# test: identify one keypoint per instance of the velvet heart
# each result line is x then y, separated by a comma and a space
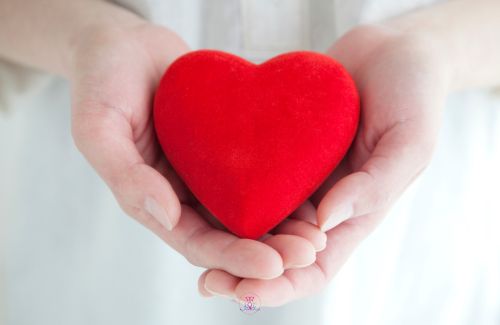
253, 142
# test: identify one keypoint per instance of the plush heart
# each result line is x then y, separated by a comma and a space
252, 142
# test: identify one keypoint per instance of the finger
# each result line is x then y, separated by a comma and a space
201, 285
298, 283
395, 162
295, 251
218, 282
343, 169
303, 229
180, 189
342, 241
293, 284
208, 247
105, 138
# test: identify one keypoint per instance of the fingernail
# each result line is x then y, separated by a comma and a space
157, 211
339, 215
215, 293
205, 295
321, 248
299, 266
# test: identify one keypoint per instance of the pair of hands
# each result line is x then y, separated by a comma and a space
402, 84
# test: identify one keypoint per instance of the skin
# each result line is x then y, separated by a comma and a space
414, 60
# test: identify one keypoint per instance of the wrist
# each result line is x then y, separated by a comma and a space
426, 39
367, 45
109, 41
103, 25
428, 52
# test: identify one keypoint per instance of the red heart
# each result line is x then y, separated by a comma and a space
252, 142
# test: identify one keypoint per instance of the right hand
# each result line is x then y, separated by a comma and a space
113, 77
403, 83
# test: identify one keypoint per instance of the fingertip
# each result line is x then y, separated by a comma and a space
311, 232
338, 203
145, 187
318, 240
321, 242
220, 283
173, 208
201, 285
276, 267
270, 293
257, 259
167, 198
336, 217
295, 251
158, 212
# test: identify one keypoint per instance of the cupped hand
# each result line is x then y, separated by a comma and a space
403, 81
113, 78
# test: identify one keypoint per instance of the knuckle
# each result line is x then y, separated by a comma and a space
192, 244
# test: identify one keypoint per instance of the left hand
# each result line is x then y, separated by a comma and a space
402, 82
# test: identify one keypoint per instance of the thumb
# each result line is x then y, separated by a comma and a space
398, 158
104, 136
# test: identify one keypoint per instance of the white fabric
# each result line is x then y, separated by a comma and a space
70, 256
